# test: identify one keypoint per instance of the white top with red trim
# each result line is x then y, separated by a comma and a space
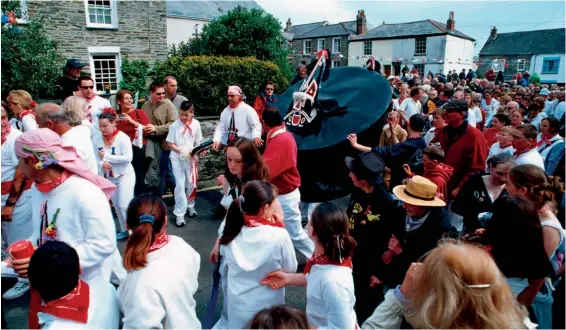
184, 138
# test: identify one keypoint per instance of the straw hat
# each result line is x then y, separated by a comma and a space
419, 191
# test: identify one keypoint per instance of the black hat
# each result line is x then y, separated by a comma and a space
367, 166
74, 64
458, 105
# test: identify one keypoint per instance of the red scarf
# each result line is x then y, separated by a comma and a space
73, 306
188, 127
234, 107
5, 133
518, 153
160, 241
322, 259
108, 140
256, 221
546, 139
46, 187
25, 113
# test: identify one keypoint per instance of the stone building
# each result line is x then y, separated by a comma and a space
100, 33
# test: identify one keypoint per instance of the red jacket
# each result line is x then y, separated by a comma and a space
466, 154
280, 155
440, 176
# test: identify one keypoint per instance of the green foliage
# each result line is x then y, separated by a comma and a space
11, 5
30, 61
205, 79
134, 73
242, 32
192, 47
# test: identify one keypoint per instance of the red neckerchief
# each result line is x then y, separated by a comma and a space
46, 187
546, 139
88, 100
237, 105
73, 306
322, 259
160, 241
5, 133
256, 221
188, 127
25, 113
518, 153
108, 140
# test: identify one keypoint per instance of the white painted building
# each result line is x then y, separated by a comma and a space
550, 67
426, 45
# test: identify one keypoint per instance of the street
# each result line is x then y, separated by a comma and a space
200, 233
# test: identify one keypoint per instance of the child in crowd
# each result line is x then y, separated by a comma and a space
279, 317
434, 170
253, 243
504, 143
163, 271
184, 135
328, 274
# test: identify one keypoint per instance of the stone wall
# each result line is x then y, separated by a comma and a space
141, 32
211, 165
307, 58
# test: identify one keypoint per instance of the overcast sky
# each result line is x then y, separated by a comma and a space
474, 18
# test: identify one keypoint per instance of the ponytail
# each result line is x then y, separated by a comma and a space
341, 247
234, 222
331, 227
541, 189
135, 255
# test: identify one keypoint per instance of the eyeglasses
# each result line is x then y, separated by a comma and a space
87, 87
159, 94
269, 89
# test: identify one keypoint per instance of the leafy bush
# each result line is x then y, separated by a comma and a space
192, 47
134, 75
205, 79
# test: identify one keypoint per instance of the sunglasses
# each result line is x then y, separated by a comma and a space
159, 94
269, 89
87, 87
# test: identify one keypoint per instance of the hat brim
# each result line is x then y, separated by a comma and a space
399, 191
349, 162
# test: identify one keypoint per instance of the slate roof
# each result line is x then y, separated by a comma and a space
549, 41
205, 10
301, 29
407, 30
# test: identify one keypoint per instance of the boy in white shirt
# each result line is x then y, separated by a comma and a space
412, 105
184, 134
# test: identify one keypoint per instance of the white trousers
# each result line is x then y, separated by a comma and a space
123, 196
20, 227
292, 215
184, 186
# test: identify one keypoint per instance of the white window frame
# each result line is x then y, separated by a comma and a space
113, 17
417, 45
370, 48
23, 12
521, 65
417, 66
305, 46
336, 42
115, 51
334, 63
318, 41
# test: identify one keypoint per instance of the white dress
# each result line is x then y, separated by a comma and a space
160, 295
79, 137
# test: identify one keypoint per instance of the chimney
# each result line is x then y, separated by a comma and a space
493, 33
450, 23
288, 25
361, 25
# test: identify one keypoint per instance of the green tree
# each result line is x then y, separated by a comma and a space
192, 47
30, 61
242, 32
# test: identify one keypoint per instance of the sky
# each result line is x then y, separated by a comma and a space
474, 18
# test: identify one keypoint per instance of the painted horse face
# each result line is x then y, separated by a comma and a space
302, 111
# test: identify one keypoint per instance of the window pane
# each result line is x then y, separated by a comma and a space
105, 71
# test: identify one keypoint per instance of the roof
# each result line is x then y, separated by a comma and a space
205, 10
300, 29
549, 41
330, 30
411, 29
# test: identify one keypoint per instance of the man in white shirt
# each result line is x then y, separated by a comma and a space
52, 116
559, 110
236, 120
95, 103
412, 105
489, 105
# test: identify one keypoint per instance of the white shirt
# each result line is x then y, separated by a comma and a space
247, 123
79, 137
15, 123
84, 222
559, 111
471, 118
95, 106
491, 110
496, 150
160, 295
478, 114
396, 104
543, 149
430, 135
119, 154
254, 253
530, 157
186, 140
330, 297
103, 311
9, 165
549, 107
409, 107
538, 118
29, 123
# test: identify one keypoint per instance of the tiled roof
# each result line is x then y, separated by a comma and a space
301, 29
330, 30
526, 43
205, 10
411, 29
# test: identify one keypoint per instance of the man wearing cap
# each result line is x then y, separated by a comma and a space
465, 148
369, 217
548, 105
68, 84
237, 119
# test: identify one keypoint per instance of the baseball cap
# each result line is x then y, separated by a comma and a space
367, 166
544, 92
74, 64
458, 105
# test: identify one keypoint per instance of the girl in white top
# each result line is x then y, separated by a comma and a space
162, 272
114, 158
328, 274
184, 134
548, 135
22, 105
524, 142
253, 244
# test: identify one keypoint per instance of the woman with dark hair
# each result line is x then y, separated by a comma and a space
279, 317
499, 120
517, 117
536, 114
328, 274
548, 136
162, 271
132, 122
113, 150
265, 99
253, 244
524, 142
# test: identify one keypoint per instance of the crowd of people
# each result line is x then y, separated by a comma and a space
455, 219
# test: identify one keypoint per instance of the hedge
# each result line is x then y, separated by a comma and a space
204, 79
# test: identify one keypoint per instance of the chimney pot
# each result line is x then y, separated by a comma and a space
361, 24
450, 23
288, 25
493, 33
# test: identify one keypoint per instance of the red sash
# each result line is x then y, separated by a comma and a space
256, 221
322, 259
7, 186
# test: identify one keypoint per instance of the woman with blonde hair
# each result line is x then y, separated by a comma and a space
77, 105
23, 106
458, 286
